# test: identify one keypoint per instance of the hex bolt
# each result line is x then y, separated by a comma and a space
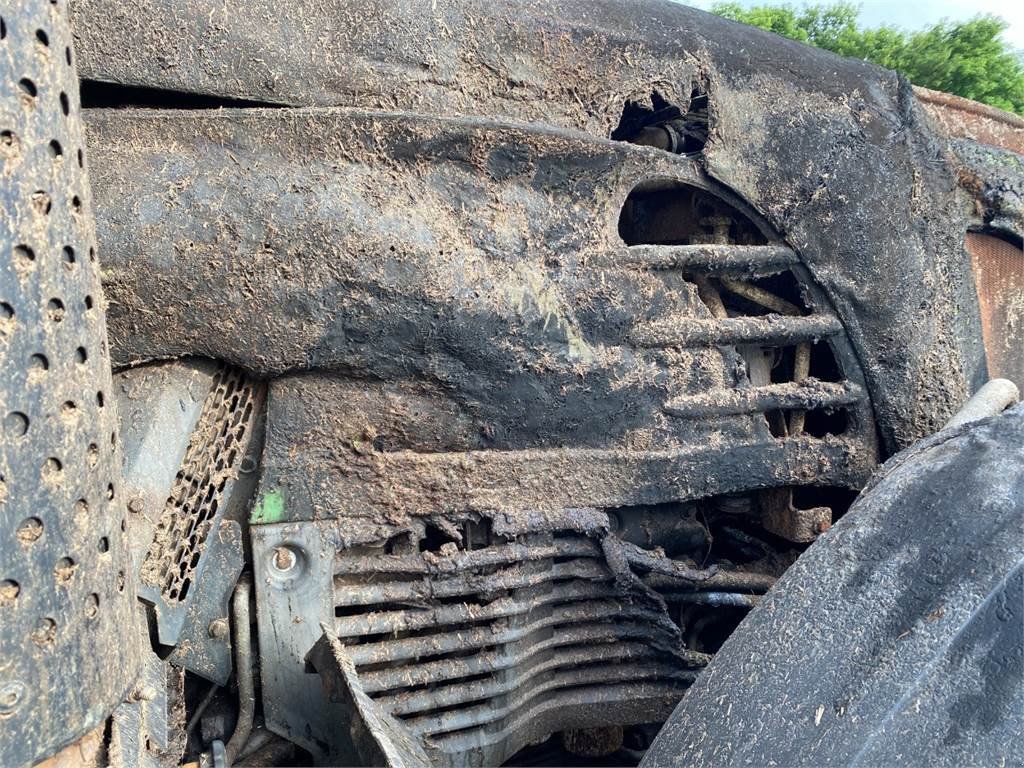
284, 559
219, 629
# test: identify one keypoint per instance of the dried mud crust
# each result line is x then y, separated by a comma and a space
452, 264
834, 153
321, 462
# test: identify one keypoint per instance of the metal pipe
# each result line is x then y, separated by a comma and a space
705, 258
801, 370
207, 698
717, 599
803, 395
994, 397
243, 668
710, 296
258, 738
761, 297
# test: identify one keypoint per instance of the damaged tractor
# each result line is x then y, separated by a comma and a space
466, 384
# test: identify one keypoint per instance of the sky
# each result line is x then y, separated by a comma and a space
916, 14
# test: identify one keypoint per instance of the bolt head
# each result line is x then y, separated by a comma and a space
144, 693
284, 559
11, 696
219, 629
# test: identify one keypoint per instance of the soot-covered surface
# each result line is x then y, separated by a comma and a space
835, 153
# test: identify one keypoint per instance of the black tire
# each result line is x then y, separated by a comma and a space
897, 639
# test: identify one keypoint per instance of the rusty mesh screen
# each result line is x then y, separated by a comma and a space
999, 276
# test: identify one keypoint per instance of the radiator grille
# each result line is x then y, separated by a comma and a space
477, 651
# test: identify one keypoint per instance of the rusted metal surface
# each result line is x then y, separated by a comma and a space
999, 278
785, 520
965, 119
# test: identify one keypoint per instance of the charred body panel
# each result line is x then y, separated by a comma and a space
836, 154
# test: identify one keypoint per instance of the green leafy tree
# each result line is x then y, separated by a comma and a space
966, 58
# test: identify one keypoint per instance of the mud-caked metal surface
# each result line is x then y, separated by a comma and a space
443, 327
437, 364
532, 623
192, 437
484, 324
66, 589
835, 153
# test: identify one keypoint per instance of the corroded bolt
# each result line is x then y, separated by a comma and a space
284, 559
218, 629
135, 505
144, 693
11, 695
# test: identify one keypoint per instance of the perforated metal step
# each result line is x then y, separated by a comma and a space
66, 588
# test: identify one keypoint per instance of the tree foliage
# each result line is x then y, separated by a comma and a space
966, 58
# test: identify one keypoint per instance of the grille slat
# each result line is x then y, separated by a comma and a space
804, 395
481, 637
515, 577
502, 608
459, 693
708, 258
535, 618
727, 331
628, 703
418, 674
481, 558
484, 714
